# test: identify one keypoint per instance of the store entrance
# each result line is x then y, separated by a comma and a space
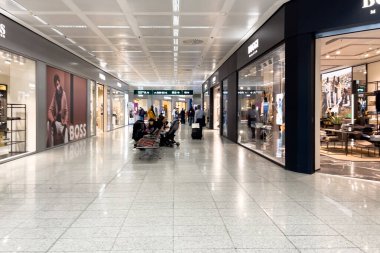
348, 102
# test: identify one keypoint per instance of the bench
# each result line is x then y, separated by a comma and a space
149, 142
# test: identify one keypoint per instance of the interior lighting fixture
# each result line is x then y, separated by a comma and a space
82, 48
175, 54
378, 51
103, 64
175, 32
72, 26
40, 20
175, 5
57, 31
113, 26
175, 48
102, 76
168, 98
327, 56
155, 27
175, 20
337, 52
366, 55
118, 84
7, 62
18, 5
175, 41
71, 40
196, 27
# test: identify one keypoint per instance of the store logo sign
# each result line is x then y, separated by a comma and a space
2, 31
252, 49
370, 4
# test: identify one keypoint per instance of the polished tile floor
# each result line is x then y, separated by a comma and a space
205, 196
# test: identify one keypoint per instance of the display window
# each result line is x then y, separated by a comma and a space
224, 108
206, 106
216, 108
100, 108
17, 105
92, 108
348, 93
118, 109
108, 109
261, 105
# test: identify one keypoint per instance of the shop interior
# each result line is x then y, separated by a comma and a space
349, 98
261, 114
118, 109
17, 105
206, 103
225, 108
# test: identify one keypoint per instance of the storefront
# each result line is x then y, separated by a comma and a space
48, 96
329, 57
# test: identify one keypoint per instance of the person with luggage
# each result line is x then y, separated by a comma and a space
196, 132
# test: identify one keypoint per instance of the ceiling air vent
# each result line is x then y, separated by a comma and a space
193, 42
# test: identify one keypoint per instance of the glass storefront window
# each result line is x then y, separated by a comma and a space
100, 108
261, 105
225, 107
206, 103
118, 109
17, 105
108, 109
92, 108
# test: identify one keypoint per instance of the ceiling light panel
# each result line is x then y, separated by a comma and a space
150, 5
40, 20
176, 5
97, 6
43, 6
154, 20
175, 32
175, 20
113, 26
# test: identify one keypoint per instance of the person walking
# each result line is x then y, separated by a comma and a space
183, 114
191, 116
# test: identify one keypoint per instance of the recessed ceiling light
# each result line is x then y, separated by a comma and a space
175, 5
71, 40
196, 27
72, 26
175, 49
18, 5
366, 55
327, 56
378, 52
175, 20
40, 19
103, 51
7, 62
175, 32
82, 48
118, 84
337, 52
175, 54
57, 31
113, 26
175, 41
155, 27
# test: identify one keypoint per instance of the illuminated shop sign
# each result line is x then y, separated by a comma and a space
253, 48
163, 92
3, 31
370, 4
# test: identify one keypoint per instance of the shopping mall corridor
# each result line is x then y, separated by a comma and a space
97, 195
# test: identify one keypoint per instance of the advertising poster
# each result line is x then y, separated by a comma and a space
66, 107
336, 92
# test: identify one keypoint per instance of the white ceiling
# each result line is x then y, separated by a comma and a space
348, 50
136, 38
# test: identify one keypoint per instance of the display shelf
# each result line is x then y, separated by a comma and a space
15, 133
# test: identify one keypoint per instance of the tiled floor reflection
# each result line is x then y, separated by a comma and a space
362, 170
205, 196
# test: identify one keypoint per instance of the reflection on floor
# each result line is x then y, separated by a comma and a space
207, 196
355, 169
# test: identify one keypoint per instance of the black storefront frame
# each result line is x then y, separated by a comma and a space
303, 21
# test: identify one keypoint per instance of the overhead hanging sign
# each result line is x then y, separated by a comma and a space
163, 92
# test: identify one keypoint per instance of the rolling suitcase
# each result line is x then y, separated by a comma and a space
196, 131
